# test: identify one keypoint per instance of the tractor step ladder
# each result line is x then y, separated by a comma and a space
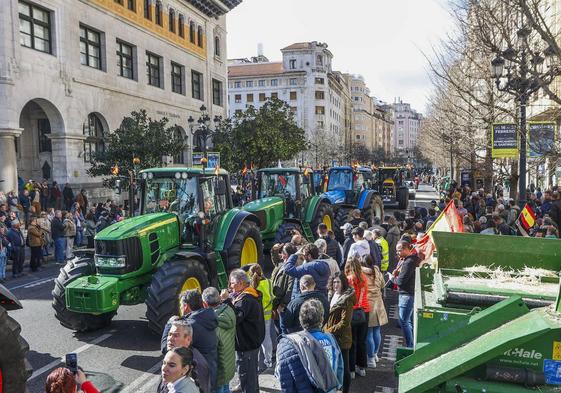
307, 231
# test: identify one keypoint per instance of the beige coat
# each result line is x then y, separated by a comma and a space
377, 315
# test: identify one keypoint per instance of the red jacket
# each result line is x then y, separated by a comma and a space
361, 292
88, 387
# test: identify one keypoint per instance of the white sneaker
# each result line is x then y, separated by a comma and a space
352, 375
371, 363
376, 358
361, 372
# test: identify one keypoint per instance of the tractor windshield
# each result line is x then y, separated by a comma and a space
340, 180
171, 195
278, 184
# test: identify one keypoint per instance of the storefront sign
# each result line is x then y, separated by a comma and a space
504, 140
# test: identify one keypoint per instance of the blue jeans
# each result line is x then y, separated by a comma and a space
79, 238
3, 260
373, 339
60, 249
223, 389
406, 318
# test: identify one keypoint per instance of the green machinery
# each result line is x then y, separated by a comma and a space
349, 188
286, 201
14, 367
187, 236
487, 317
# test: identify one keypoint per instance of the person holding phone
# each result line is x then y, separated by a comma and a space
63, 380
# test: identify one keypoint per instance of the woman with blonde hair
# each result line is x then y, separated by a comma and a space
265, 286
359, 323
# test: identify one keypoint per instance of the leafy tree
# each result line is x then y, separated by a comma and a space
260, 136
138, 136
361, 153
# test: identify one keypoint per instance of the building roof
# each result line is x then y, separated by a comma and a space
255, 69
297, 45
214, 8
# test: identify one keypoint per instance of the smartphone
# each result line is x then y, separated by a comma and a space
72, 362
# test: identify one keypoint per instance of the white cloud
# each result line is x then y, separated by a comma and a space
381, 39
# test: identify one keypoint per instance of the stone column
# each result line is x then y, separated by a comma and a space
8, 159
67, 157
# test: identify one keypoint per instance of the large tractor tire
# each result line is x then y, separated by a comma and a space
14, 367
169, 281
402, 198
324, 214
284, 233
247, 247
80, 322
341, 217
374, 209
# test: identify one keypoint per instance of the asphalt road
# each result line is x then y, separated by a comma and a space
125, 356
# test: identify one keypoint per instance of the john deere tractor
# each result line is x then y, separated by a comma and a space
14, 367
187, 236
350, 188
286, 200
390, 182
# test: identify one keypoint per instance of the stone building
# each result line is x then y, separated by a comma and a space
318, 96
407, 127
69, 73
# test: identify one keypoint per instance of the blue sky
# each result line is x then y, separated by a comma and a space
382, 40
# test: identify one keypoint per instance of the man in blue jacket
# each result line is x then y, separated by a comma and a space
317, 268
17, 242
204, 323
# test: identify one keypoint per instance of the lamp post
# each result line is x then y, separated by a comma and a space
524, 75
202, 131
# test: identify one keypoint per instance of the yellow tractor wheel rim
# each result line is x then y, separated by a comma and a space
327, 221
190, 283
249, 252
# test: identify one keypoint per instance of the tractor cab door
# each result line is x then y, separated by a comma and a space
358, 186
305, 192
215, 195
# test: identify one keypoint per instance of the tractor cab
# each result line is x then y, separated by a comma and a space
392, 186
293, 185
195, 196
345, 184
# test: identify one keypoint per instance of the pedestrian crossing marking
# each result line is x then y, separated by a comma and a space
389, 350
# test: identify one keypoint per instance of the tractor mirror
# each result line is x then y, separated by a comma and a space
220, 187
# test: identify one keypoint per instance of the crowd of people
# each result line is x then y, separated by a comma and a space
41, 222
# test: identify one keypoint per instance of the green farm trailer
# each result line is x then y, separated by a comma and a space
487, 317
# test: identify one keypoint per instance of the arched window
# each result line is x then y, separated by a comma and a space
158, 12
217, 46
181, 26
192, 32
147, 10
95, 137
200, 36
171, 20
180, 158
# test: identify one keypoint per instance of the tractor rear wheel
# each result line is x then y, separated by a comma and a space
374, 209
341, 217
284, 233
402, 197
170, 280
247, 247
324, 214
14, 367
81, 322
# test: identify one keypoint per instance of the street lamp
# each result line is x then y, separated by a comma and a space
202, 131
524, 76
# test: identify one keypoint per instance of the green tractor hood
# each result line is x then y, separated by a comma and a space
269, 211
136, 226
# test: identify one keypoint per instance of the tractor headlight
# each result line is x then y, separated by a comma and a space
184, 175
111, 262
150, 175
144, 175
177, 175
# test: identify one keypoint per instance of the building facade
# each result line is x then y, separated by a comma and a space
68, 76
372, 121
317, 95
407, 127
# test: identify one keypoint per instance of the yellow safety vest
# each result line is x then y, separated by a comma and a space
266, 288
385, 253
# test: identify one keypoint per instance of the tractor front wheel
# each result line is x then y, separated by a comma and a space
341, 217
284, 233
14, 367
402, 197
247, 247
169, 281
81, 322
374, 209
324, 214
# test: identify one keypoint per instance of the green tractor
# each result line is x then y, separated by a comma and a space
350, 188
187, 236
286, 200
14, 367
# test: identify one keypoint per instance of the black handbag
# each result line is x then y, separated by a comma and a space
359, 316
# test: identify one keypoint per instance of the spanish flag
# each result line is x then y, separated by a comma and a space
244, 170
527, 217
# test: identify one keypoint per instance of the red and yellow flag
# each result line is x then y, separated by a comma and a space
527, 217
244, 170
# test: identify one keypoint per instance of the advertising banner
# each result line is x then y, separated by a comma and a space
213, 160
504, 140
541, 138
